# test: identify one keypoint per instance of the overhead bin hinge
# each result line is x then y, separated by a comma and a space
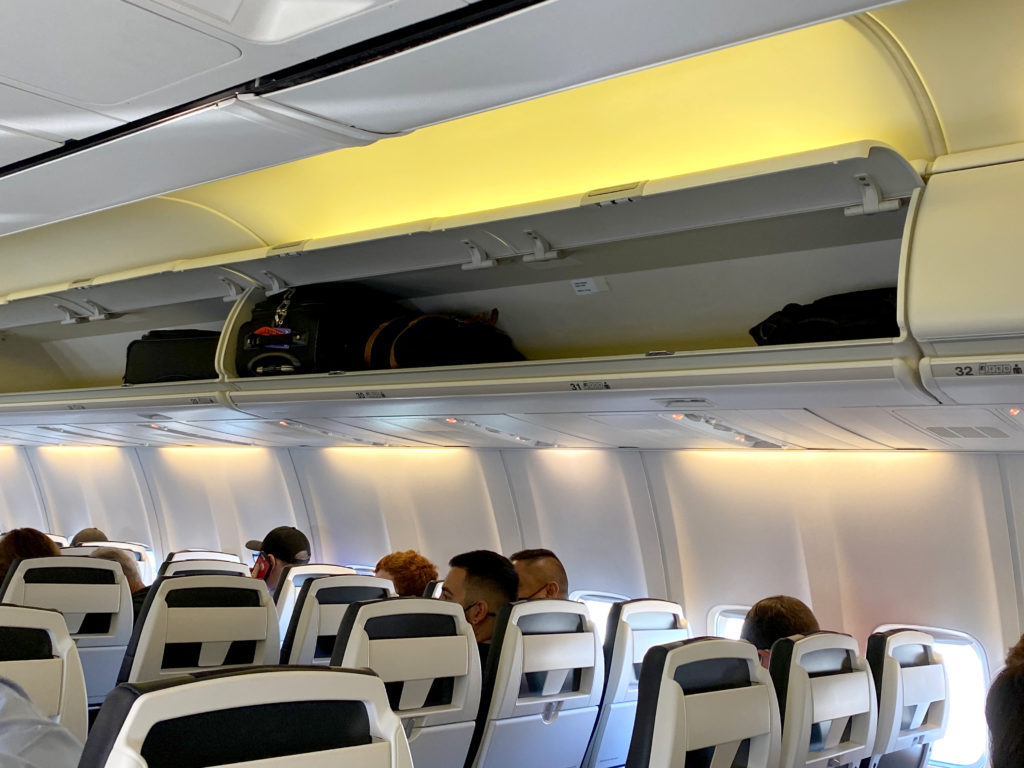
542, 250
74, 317
871, 199
277, 284
235, 291
71, 316
478, 258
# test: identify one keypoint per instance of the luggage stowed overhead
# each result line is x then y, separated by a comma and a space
165, 356
844, 316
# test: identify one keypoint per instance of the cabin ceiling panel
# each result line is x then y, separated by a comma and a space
35, 114
970, 58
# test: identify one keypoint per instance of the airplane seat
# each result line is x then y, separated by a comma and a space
94, 598
319, 609
705, 702
290, 584
258, 716
634, 626
201, 554
912, 691
433, 588
426, 653
827, 699
143, 555
196, 622
205, 567
542, 684
38, 654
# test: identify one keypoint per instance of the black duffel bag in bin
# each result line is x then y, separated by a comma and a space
857, 315
311, 329
163, 356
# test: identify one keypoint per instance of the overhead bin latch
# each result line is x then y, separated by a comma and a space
871, 199
74, 317
542, 250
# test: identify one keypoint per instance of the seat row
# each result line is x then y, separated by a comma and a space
542, 696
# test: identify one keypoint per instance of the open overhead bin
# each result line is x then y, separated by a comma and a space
964, 302
633, 297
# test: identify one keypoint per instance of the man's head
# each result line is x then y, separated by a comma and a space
127, 562
285, 545
87, 535
774, 618
541, 574
482, 582
1004, 711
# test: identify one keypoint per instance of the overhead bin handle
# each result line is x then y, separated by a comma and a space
871, 198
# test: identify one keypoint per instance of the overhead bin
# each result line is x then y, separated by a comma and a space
963, 303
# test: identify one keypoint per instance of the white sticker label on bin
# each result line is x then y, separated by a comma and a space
587, 285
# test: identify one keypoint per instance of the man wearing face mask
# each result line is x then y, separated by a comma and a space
285, 545
482, 582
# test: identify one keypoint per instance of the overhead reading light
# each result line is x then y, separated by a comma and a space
498, 433
1014, 411
298, 426
191, 436
711, 425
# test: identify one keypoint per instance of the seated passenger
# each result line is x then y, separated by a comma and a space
1004, 710
482, 582
541, 574
131, 573
87, 535
409, 571
285, 545
30, 740
22, 543
774, 618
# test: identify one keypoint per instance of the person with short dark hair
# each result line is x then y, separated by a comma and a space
1004, 710
541, 574
87, 535
482, 582
22, 543
776, 617
285, 545
409, 571
130, 568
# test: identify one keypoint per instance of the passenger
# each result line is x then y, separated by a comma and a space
409, 571
285, 545
541, 574
30, 740
774, 618
131, 572
87, 535
1004, 710
482, 582
22, 543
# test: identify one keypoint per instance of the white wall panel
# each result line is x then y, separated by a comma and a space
20, 503
732, 534
219, 498
365, 503
83, 487
593, 509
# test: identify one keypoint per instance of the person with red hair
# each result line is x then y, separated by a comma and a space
409, 571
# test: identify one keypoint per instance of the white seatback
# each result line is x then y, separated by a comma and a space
201, 622
180, 567
56, 538
633, 628
827, 698
143, 555
541, 688
707, 694
290, 584
201, 554
912, 691
94, 598
279, 716
426, 653
319, 609
54, 680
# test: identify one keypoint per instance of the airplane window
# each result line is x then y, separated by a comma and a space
966, 739
599, 605
727, 620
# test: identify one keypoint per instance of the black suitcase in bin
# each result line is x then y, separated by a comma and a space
311, 329
164, 356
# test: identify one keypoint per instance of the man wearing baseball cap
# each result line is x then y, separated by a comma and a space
285, 545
